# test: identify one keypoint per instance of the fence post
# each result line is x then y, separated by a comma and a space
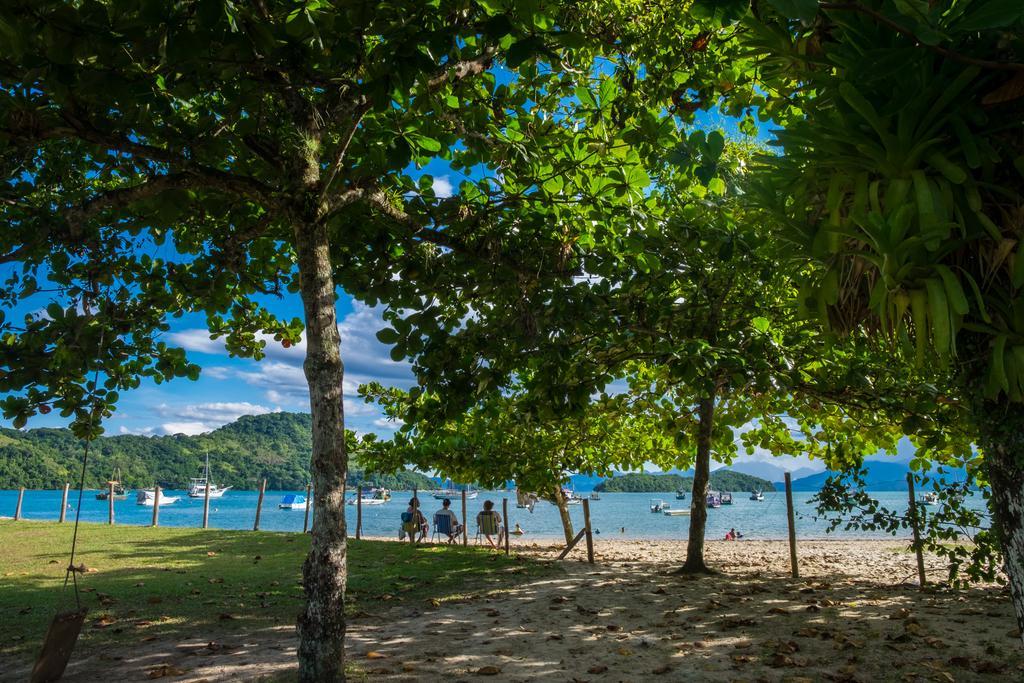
504, 512
206, 503
64, 503
590, 535
792, 526
914, 523
110, 502
259, 505
465, 520
305, 522
17, 510
156, 505
359, 511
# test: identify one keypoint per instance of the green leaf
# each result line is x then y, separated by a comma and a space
388, 336
989, 14
717, 185
805, 10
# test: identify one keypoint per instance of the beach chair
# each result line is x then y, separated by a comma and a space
442, 527
409, 525
487, 525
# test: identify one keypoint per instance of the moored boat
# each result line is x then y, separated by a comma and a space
680, 495
293, 502
726, 498
375, 496
119, 491
930, 498
757, 495
714, 499
676, 512
658, 505
148, 497
198, 485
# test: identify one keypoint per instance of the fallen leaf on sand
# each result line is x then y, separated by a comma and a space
210, 553
154, 599
663, 669
597, 669
559, 599
488, 671
373, 654
901, 613
493, 613
778, 610
224, 616
165, 670
625, 652
104, 621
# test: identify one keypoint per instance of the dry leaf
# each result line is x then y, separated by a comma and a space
663, 669
597, 669
489, 670
165, 670
373, 654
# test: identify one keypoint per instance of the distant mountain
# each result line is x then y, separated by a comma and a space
276, 446
721, 479
881, 476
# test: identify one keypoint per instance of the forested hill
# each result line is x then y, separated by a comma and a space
721, 480
275, 446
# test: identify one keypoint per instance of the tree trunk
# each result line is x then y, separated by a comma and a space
698, 504
563, 512
1000, 427
321, 626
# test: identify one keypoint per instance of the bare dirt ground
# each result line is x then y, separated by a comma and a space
856, 614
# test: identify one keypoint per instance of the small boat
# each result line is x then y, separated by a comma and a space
726, 498
930, 498
293, 502
679, 512
757, 495
375, 496
119, 490
452, 494
595, 496
680, 495
197, 486
571, 497
658, 505
714, 499
148, 497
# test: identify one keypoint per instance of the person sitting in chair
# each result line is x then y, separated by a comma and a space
413, 521
488, 524
446, 522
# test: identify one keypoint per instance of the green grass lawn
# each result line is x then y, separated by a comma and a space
169, 582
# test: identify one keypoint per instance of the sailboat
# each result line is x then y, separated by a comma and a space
197, 485
119, 490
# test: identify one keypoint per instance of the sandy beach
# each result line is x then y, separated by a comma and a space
855, 614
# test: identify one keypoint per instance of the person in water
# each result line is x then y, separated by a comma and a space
518, 531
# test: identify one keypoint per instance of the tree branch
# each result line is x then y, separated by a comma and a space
463, 69
346, 140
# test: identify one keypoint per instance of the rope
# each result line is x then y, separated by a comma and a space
71, 572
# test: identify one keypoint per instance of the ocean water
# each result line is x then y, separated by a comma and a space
621, 515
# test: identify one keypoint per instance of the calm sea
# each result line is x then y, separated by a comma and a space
615, 514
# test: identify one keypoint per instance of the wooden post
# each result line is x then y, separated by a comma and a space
206, 503
110, 503
17, 510
156, 505
590, 534
504, 513
64, 503
259, 505
359, 511
305, 522
465, 520
915, 525
792, 526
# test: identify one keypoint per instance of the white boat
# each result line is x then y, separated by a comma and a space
757, 495
197, 485
714, 499
453, 494
726, 498
676, 513
293, 502
571, 497
930, 498
595, 496
658, 505
148, 497
372, 497
526, 501
680, 495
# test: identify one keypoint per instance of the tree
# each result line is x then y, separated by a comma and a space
901, 184
502, 438
198, 156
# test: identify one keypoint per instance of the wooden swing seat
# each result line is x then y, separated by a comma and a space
57, 646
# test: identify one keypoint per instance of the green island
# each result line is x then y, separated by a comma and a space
144, 583
275, 446
723, 480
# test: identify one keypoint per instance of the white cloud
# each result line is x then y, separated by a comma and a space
385, 423
140, 431
188, 428
443, 186
197, 418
